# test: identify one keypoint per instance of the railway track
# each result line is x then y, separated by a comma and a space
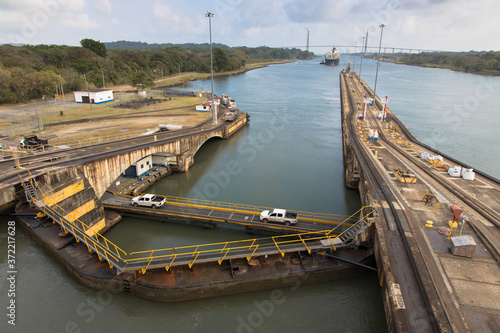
418, 294
481, 217
454, 193
95, 151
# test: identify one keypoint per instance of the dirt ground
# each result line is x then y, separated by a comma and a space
84, 125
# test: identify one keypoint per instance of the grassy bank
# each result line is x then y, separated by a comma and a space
177, 79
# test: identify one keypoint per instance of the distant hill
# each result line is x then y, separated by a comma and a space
31, 71
478, 62
128, 45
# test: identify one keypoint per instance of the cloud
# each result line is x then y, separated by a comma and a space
181, 26
79, 21
104, 6
316, 10
164, 12
116, 22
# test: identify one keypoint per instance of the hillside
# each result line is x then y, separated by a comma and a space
32, 71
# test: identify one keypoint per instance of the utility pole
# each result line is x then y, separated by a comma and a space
366, 42
354, 58
307, 44
103, 84
378, 61
214, 111
363, 47
62, 91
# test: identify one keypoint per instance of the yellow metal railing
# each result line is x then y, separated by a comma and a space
194, 251
106, 248
112, 251
253, 209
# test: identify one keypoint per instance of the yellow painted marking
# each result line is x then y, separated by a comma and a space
80, 211
64, 193
96, 228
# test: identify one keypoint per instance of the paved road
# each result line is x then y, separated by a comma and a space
57, 158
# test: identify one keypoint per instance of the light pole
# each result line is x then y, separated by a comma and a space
378, 61
354, 58
362, 54
214, 111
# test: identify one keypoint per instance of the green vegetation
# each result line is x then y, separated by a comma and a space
471, 62
33, 71
94, 46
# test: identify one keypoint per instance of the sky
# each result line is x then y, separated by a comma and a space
450, 25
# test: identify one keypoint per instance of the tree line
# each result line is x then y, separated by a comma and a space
470, 62
33, 71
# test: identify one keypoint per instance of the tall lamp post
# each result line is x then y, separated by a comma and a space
214, 111
361, 56
378, 61
354, 58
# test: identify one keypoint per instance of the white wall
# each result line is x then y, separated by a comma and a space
97, 97
144, 165
102, 96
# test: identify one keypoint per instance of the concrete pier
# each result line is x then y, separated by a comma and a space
426, 286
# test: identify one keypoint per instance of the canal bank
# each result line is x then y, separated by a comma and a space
355, 302
413, 216
260, 272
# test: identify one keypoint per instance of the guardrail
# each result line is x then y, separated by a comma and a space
109, 250
222, 249
142, 260
95, 140
253, 209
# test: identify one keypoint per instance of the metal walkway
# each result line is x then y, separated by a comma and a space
188, 255
209, 213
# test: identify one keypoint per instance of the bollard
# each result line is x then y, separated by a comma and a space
155, 138
452, 225
376, 153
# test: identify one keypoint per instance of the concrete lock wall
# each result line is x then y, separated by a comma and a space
9, 196
69, 190
103, 172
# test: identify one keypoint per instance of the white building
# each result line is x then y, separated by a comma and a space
94, 96
204, 106
207, 105
143, 165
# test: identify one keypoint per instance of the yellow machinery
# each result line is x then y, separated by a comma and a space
405, 177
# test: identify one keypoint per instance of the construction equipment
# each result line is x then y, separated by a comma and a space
405, 177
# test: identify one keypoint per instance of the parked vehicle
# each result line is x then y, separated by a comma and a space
231, 103
32, 141
148, 200
279, 215
231, 114
224, 99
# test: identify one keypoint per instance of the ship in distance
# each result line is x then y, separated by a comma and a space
332, 58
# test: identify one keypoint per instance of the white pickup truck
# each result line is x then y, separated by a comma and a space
279, 215
148, 200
